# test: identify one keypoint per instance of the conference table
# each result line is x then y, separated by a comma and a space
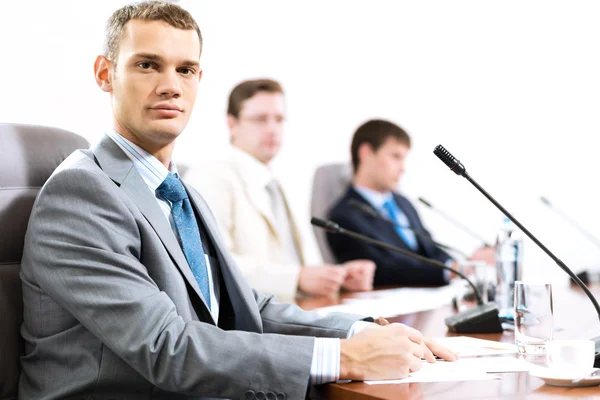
574, 318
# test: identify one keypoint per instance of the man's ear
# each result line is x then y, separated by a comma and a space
365, 150
232, 123
103, 74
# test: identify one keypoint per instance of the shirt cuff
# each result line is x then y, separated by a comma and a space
325, 365
357, 327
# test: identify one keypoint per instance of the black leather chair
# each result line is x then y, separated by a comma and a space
28, 156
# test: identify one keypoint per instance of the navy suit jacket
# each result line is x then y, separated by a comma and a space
392, 268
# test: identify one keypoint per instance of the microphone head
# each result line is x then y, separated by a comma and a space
425, 202
329, 226
449, 160
545, 201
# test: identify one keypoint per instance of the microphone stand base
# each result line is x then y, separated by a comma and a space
597, 351
479, 319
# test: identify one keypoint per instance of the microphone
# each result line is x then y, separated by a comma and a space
455, 222
459, 169
585, 276
577, 226
368, 210
482, 318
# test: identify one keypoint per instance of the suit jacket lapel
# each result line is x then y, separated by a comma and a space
238, 290
120, 169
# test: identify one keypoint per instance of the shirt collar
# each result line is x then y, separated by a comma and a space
258, 172
153, 172
376, 199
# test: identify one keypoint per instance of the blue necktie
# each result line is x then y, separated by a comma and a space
187, 227
395, 214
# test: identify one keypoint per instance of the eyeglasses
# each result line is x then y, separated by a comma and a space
263, 119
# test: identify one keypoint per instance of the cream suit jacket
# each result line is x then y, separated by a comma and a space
235, 190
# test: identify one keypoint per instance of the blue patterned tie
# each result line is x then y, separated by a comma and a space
187, 227
394, 212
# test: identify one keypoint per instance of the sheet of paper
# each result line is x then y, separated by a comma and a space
468, 347
466, 369
439, 372
393, 302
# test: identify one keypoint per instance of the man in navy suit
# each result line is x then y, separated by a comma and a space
379, 149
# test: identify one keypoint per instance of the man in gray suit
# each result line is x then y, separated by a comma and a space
128, 289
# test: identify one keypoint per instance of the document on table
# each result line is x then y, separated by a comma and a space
468, 347
393, 302
465, 369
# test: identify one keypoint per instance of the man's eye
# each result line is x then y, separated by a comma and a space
145, 65
186, 71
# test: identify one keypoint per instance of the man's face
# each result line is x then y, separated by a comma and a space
259, 128
386, 165
154, 82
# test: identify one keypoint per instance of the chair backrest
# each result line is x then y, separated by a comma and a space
329, 184
28, 156
183, 169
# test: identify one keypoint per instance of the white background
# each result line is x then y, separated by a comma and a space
511, 88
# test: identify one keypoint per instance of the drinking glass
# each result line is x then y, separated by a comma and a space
534, 319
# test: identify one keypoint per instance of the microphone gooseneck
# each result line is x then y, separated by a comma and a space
455, 222
451, 161
365, 209
482, 318
331, 226
545, 201
425, 202
571, 221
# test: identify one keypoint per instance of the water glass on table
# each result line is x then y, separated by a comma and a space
534, 317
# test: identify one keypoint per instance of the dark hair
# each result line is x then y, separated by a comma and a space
375, 132
245, 90
172, 14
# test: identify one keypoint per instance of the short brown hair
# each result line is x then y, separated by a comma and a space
172, 14
245, 90
375, 132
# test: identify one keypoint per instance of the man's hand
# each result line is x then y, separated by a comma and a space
390, 351
381, 352
323, 280
486, 254
359, 276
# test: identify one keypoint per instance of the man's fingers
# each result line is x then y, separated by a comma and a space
414, 335
440, 350
418, 350
415, 364
429, 357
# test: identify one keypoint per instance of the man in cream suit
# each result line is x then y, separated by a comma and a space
251, 207
128, 289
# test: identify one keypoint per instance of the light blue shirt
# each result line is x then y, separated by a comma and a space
378, 201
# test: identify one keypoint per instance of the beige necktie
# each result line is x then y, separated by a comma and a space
284, 224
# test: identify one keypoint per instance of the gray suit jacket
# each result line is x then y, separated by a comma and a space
112, 310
